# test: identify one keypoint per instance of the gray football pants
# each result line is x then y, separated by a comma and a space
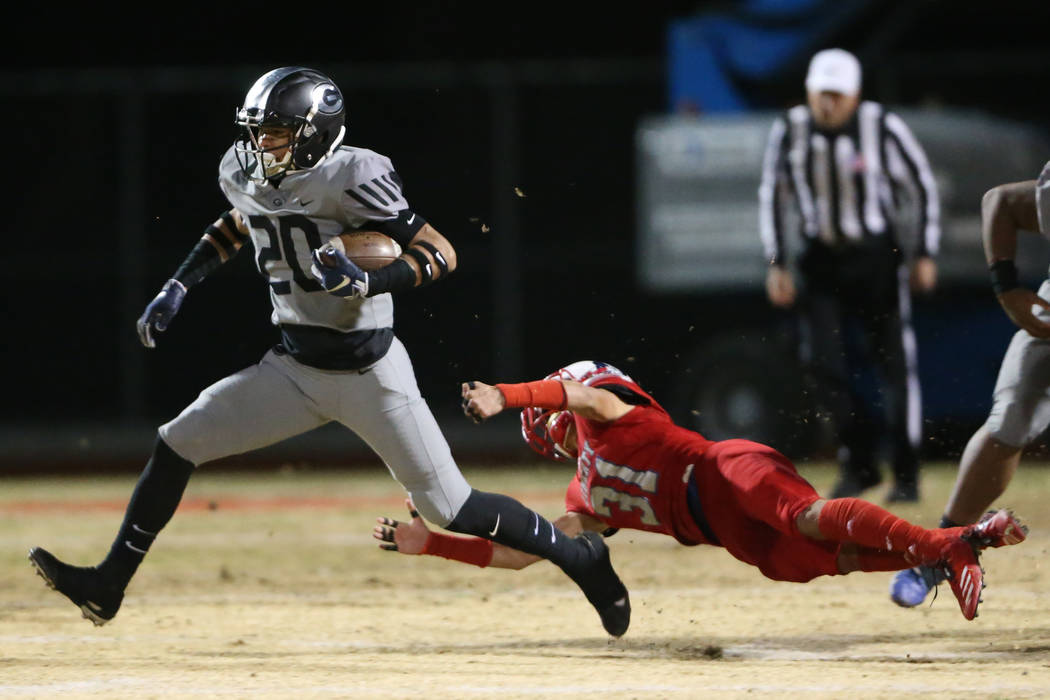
1021, 400
280, 398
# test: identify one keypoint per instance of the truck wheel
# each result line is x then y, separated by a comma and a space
746, 386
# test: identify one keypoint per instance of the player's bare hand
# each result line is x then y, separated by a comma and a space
481, 401
780, 287
397, 536
1018, 304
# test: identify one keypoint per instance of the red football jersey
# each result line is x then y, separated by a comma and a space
633, 472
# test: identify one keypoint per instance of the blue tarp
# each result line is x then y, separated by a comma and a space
713, 56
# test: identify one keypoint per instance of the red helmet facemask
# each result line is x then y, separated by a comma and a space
545, 431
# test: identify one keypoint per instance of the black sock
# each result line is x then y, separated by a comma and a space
504, 520
153, 502
947, 522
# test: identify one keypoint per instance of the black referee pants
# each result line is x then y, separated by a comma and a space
858, 351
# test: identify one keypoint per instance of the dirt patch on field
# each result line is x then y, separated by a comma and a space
285, 595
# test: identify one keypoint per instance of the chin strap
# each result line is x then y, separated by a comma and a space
272, 166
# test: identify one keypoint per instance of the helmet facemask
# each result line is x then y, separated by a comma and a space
545, 432
256, 158
301, 100
561, 431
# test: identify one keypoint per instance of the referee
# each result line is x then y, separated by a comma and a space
843, 165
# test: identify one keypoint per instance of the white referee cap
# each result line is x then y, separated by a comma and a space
834, 70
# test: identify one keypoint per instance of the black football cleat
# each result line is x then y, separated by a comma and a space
603, 587
98, 601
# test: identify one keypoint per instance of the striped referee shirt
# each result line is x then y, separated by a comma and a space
844, 183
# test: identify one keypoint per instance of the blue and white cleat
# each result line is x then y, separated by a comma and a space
911, 586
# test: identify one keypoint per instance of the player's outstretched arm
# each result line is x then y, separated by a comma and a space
594, 404
1005, 210
481, 401
220, 242
414, 537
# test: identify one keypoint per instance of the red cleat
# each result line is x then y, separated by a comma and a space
996, 528
965, 575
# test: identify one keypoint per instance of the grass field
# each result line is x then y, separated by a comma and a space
269, 585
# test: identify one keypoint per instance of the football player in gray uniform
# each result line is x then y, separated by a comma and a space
293, 186
1021, 399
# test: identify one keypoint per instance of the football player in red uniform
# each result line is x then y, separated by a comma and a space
636, 469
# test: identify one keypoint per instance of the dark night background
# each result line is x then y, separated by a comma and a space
430, 85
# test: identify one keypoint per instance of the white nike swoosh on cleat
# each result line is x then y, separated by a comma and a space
552, 533
493, 533
536, 528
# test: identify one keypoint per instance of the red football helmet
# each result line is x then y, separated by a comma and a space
544, 430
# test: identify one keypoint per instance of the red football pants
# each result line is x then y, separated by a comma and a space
752, 495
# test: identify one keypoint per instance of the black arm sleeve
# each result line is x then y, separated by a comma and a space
212, 250
402, 228
436, 254
395, 277
201, 262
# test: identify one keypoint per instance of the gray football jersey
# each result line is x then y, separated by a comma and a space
306, 209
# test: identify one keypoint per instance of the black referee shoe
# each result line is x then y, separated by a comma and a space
903, 493
851, 485
97, 600
602, 586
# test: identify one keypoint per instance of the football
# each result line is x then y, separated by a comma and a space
370, 250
